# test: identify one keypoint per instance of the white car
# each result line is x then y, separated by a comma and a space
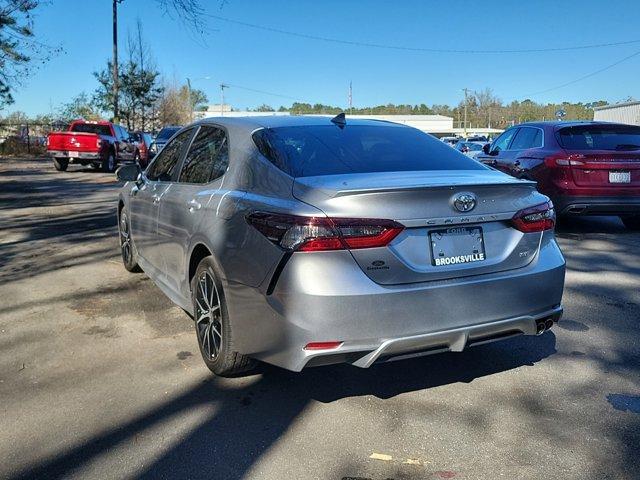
470, 149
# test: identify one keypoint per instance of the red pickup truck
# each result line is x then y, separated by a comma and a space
101, 144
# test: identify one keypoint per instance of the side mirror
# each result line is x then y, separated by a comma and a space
486, 148
128, 173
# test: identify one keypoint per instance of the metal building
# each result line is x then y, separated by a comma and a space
627, 112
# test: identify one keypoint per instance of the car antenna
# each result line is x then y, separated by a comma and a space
339, 120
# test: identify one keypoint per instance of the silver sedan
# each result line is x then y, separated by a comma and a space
304, 241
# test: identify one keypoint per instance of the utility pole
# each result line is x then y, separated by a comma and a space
116, 112
139, 25
350, 98
190, 102
222, 87
464, 128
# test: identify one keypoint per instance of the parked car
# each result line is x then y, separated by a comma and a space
162, 138
143, 141
586, 168
304, 241
470, 149
476, 138
450, 140
101, 144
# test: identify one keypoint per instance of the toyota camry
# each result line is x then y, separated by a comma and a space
305, 241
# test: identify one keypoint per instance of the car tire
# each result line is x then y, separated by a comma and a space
61, 164
632, 222
127, 247
214, 331
109, 163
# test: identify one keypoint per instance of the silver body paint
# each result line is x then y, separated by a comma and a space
408, 307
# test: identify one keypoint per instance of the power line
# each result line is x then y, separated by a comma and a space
584, 77
419, 49
263, 92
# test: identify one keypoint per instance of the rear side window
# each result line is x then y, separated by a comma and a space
527, 137
600, 137
329, 150
208, 157
164, 164
92, 128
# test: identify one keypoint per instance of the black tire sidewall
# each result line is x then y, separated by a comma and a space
222, 361
60, 164
105, 163
632, 222
132, 265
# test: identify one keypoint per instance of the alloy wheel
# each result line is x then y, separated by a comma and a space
125, 238
208, 316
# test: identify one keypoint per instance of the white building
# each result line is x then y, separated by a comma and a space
627, 112
438, 125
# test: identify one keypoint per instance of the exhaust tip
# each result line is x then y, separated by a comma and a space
540, 328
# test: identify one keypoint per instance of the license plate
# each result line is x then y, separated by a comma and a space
619, 177
73, 154
456, 245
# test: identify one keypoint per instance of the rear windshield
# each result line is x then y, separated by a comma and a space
329, 150
91, 128
167, 132
600, 137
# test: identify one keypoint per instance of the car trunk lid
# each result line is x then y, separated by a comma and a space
424, 203
602, 168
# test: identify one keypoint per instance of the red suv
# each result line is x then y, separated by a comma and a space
587, 168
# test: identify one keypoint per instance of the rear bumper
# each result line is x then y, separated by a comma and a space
81, 156
333, 300
574, 205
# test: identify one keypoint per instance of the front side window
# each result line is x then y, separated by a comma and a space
502, 142
527, 137
305, 151
208, 157
165, 163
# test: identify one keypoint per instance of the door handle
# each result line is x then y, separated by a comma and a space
156, 199
194, 205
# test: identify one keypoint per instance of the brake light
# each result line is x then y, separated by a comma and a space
313, 234
98, 143
535, 219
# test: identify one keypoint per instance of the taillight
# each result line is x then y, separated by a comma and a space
312, 234
564, 160
98, 143
535, 219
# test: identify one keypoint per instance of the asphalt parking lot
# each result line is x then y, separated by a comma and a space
100, 376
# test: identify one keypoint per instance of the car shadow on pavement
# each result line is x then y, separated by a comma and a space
250, 419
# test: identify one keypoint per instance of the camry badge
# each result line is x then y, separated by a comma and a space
464, 202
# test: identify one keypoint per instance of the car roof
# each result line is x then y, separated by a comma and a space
275, 121
565, 123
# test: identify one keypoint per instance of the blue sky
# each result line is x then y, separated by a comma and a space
319, 71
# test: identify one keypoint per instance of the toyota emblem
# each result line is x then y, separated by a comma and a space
464, 202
